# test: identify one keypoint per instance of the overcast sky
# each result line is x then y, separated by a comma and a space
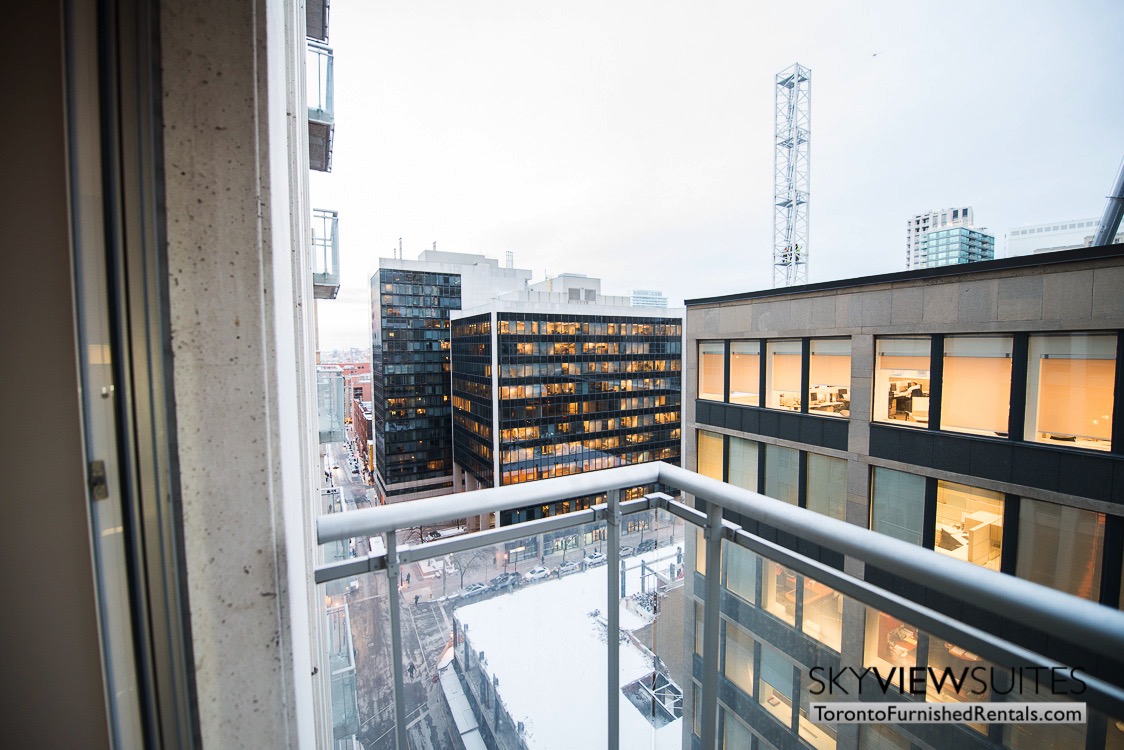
632, 139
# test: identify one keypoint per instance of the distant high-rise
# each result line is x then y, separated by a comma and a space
944, 238
648, 298
410, 305
1057, 235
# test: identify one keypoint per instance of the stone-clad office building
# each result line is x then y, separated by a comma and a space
967, 409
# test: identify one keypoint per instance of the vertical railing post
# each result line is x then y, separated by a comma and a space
613, 615
708, 705
396, 640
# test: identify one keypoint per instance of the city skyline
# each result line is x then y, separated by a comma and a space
598, 138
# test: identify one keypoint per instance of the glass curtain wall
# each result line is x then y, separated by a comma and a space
1069, 390
745, 372
782, 473
829, 377
897, 504
782, 374
712, 370
710, 454
743, 463
827, 485
901, 381
976, 383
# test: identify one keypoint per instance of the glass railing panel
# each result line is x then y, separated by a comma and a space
330, 405
656, 659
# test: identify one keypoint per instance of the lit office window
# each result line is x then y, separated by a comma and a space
823, 613
700, 551
1050, 736
712, 370
745, 372
1069, 387
735, 734
778, 591
741, 572
743, 463
819, 736
829, 377
897, 504
710, 454
776, 685
827, 485
738, 663
782, 473
955, 659
698, 628
901, 381
969, 524
976, 384
782, 375
1061, 547
881, 737
889, 643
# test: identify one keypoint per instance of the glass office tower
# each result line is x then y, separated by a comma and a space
540, 394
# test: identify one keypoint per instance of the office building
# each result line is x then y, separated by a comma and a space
1048, 238
648, 298
941, 238
410, 305
973, 411
552, 383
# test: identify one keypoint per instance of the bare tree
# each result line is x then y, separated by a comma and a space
466, 560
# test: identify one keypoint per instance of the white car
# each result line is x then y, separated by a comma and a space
536, 574
594, 558
568, 567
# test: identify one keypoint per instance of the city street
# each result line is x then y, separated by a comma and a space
426, 625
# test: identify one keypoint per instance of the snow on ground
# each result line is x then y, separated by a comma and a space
550, 657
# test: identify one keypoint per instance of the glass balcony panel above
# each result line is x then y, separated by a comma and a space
330, 405
325, 254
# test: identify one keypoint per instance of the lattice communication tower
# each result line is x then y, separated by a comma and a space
791, 174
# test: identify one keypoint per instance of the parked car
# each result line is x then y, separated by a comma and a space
536, 573
568, 567
503, 580
626, 550
646, 546
473, 589
594, 558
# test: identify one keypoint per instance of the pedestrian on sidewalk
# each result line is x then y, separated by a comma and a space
407, 579
416, 598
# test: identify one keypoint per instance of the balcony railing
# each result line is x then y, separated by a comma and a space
330, 404
321, 106
325, 254
765, 576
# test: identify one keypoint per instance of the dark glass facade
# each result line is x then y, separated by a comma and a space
575, 393
411, 399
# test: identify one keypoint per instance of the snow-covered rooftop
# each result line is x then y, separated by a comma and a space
550, 657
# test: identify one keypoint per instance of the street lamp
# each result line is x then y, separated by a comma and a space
515, 560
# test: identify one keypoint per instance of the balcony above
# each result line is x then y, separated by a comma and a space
321, 107
330, 404
325, 254
316, 20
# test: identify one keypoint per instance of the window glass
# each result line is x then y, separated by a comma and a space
1061, 547
897, 504
738, 663
890, 643
735, 734
819, 736
829, 377
776, 684
712, 373
976, 385
827, 485
743, 463
745, 372
955, 659
782, 472
778, 591
741, 572
823, 613
1069, 387
969, 524
698, 628
901, 381
881, 737
710, 454
782, 375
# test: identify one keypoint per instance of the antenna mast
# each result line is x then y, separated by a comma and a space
791, 175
